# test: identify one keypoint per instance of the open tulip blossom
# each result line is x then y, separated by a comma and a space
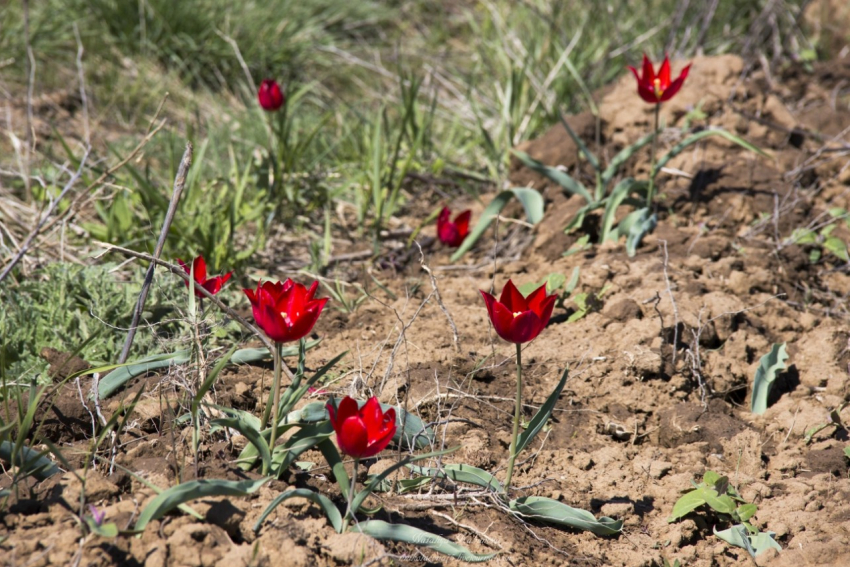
286, 311
518, 319
656, 89
270, 95
453, 233
364, 432
199, 266
361, 432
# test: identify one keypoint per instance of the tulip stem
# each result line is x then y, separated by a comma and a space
276, 394
349, 515
517, 411
651, 191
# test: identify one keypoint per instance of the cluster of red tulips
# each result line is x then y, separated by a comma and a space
287, 311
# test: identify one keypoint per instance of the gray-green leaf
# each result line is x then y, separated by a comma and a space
770, 366
381, 530
548, 510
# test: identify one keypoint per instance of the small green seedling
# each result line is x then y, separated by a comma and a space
770, 366
822, 240
719, 495
834, 421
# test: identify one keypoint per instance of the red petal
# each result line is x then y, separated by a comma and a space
664, 74
648, 71
373, 418
251, 295
312, 291
536, 299
200, 267
675, 85
443, 217
512, 299
386, 435
347, 408
503, 318
648, 94
546, 311
272, 322
352, 437
462, 224
524, 327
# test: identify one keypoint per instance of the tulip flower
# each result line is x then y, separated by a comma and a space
286, 311
361, 433
199, 266
270, 95
518, 319
452, 233
656, 89
364, 432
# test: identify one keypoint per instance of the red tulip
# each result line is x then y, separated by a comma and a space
365, 432
519, 319
285, 311
270, 96
656, 89
453, 233
212, 285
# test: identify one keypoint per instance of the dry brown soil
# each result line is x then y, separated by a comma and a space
660, 372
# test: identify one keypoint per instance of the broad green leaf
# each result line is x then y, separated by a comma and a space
542, 416
329, 508
108, 530
837, 247
746, 511
711, 478
721, 503
384, 531
686, 504
738, 536
770, 366
192, 490
531, 201
681, 146
552, 511
567, 182
250, 433
29, 461
462, 473
334, 460
553, 282
643, 225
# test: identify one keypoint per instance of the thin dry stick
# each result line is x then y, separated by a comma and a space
26, 244
179, 183
439, 298
30, 70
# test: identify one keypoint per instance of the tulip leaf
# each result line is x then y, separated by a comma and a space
378, 478
329, 508
594, 163
622, 157
462, 473
384, 531
542, 416
123, 373
532, 202
755, 544
192, 490
257, 440
769, 367
686, 504
307, 437
29, 461
681, 146
334, 460
641, 223
614, 200
562, 178
551, 511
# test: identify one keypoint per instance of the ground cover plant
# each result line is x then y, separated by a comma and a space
424, 283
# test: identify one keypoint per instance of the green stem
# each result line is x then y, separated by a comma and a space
651, 191
517, 411
275, 398
349, 514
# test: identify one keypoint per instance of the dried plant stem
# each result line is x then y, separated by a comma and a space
651, 191
179, 183
517, 412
